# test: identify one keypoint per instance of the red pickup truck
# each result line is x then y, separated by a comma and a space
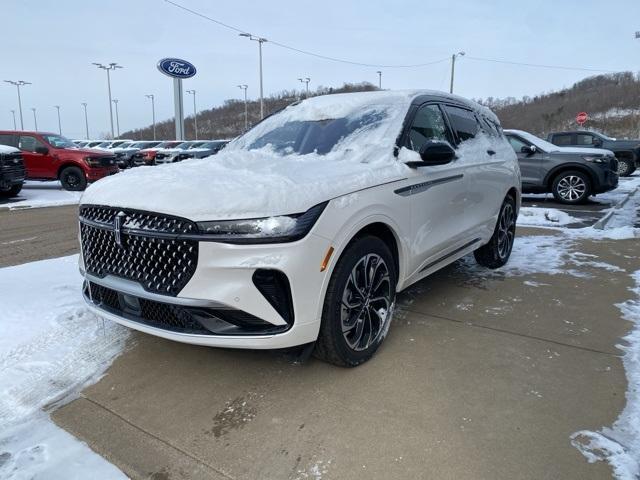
48, 156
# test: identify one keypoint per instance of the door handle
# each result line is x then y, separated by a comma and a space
491, 152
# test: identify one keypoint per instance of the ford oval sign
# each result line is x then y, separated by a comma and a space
176, 68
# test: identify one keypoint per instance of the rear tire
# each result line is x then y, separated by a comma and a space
73, 179
626, 167
496, 253
11, 192
571, 187
359, 303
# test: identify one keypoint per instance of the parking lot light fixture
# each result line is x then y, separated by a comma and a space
453, 68
115, 102
13, 112
108, 68
638, 34
195, 113
18, 84
260, 41
306, 81
57, 107
86, 119
379, 72
246, 111
35, 119
153, 112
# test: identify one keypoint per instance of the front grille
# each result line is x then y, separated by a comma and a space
160, 264
12, 166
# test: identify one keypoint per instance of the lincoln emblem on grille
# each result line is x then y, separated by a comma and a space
117, 229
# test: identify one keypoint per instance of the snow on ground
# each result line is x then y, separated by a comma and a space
43, 194
620, 444
56, 347
534, 216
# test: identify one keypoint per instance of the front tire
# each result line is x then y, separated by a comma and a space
496, 253
11, 192
571, 187
73, 179
359, 303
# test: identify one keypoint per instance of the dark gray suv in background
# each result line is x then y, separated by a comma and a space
571, 174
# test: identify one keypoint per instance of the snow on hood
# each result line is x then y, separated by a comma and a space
242, 183
551, 148
8, 149
584, 151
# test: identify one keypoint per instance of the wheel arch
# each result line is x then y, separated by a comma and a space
565, 167
67, 164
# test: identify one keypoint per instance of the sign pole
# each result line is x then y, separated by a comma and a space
179, 108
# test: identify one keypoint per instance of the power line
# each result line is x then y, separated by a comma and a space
537, 65
304, 52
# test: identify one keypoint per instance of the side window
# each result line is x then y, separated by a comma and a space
6, 139
428, 124
564, 139
516, 143
463, 122
29, 143
585, 139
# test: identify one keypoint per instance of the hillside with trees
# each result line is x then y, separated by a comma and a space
612, 102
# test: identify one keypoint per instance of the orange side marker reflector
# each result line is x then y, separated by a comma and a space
327, 257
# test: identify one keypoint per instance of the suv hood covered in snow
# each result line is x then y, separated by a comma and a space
583, 151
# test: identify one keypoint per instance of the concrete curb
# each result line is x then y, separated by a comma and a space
600, 224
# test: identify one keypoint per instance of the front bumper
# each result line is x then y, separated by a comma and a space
223, 287
96, 173
608, 180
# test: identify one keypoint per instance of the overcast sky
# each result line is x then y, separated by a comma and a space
52, 43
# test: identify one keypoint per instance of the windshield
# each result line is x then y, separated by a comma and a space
104, 145
58, 141
538, 142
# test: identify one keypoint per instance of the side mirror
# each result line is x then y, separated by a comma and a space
597, 142
434, 152
529, 149
42, 150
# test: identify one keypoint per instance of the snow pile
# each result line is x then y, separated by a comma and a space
56, 347
42, 194
533, 216
620, 444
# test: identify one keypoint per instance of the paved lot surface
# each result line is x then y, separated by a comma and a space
588, 213
483, 376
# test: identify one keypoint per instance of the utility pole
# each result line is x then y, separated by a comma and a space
13, 112
195, 113
305, 80
453, 68
153, 113
260, 41
18, 84
35, 120
108, 68
379, 79
115, 101
86, 120
246, 111
57, 107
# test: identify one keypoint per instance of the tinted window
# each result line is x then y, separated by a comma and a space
516, 143
428, 124
29, 143
562, 139
463, 122
8, 140
585, 139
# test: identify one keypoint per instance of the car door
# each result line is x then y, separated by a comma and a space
530, 163
437, 193
36, 163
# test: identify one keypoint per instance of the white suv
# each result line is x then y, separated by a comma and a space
303, 229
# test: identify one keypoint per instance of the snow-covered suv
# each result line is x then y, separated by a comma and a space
303, 229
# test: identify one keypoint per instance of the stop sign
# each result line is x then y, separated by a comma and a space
581, 118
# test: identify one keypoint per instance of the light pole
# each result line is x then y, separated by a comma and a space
35, 120
260, 41
246, 112
305, 80
453, 68
107, 68
153, 113
13, 112
195, 113
379, 72
115, 101
86, 120
19, 84
57, 107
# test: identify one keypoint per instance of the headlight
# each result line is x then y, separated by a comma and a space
92, 161
593, 159
285, 228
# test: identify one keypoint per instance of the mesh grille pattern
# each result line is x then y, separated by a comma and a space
160, 265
